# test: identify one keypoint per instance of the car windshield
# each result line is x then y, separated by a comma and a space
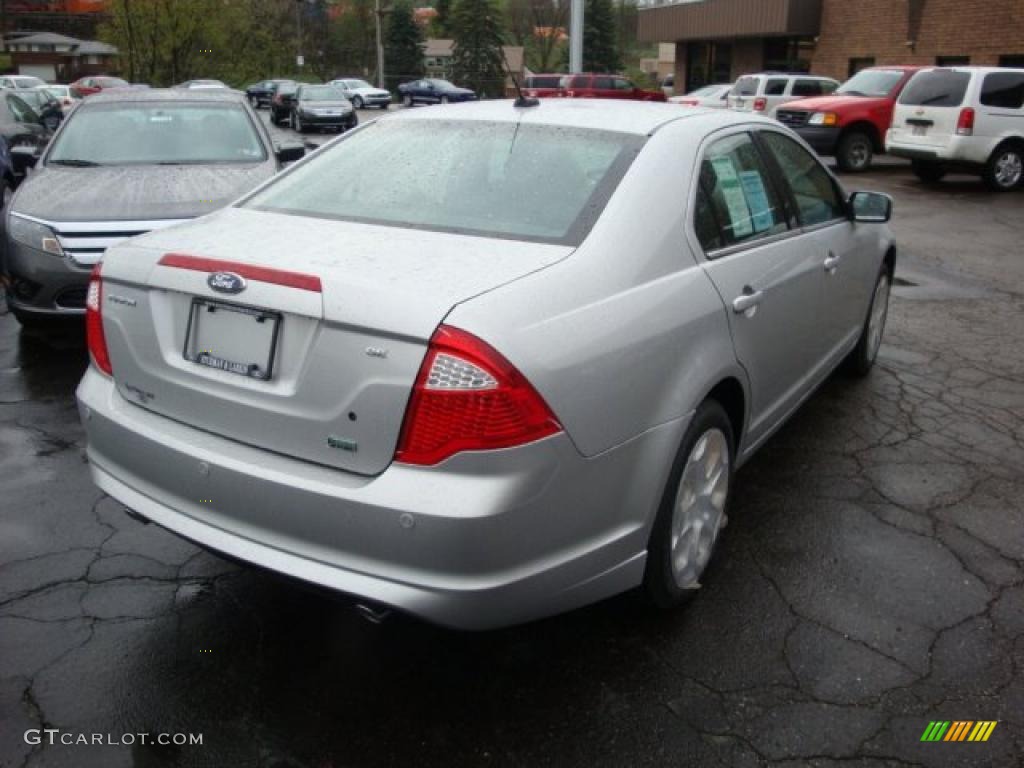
157, 133
322, 93
871, 82
359, 84
58, 91
111, 82
496, 179
936, 88
28, 82
745, 86
440, 84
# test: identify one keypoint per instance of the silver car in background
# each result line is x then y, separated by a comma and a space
483, 364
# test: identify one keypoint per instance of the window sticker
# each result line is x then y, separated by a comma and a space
757, 199
732, 193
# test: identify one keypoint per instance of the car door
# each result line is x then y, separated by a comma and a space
843, 250
768, 277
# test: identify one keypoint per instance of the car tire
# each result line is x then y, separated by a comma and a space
688, 524
854, 153
384, 106
862, 357
357, 102
407, 100
1004, 170
929, 173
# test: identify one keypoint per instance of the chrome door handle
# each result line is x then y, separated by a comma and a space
748, 300
831, 263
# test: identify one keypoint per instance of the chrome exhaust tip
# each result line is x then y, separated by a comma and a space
375, 613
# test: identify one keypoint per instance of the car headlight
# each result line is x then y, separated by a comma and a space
33, 234
823, 118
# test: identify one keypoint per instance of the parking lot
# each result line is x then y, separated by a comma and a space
871, 580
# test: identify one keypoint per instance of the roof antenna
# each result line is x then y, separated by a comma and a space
521, 101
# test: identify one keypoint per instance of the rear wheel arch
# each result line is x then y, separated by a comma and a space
730, 394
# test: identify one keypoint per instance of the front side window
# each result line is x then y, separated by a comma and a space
525, 182
817, 199
1003, 89
736, 202
623, 85
154, 133
936, 88
603, 83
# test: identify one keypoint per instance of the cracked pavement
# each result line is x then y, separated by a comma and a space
871, 580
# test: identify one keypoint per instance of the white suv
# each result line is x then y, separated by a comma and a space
766, 91
962, 118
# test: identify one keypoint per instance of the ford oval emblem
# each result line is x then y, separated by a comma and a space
226, 282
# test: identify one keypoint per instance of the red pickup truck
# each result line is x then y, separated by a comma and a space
597, 86
850, 123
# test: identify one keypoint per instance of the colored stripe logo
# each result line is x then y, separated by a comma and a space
959, 730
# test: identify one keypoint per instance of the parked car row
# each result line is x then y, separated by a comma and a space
968, 119
589, 86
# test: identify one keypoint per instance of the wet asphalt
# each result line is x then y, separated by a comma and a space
871, 580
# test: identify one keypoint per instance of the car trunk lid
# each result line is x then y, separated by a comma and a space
334, 315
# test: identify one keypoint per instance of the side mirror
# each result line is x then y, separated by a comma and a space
290, 151
870, 207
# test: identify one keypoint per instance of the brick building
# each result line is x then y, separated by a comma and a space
719, 40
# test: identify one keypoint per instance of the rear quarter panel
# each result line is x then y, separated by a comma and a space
627, 333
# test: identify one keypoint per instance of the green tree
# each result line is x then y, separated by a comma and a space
477, 61
403, 52
440, 23
600, 38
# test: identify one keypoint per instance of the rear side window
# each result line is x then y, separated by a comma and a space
936, 88
736, 202
817, 199
1003, 89
746, 86
807, 88
543, 81
775, 88
603, 83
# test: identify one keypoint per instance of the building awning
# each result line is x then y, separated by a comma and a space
725, 19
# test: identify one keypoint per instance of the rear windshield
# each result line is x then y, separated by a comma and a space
936, 88
155, 133
495, 179
543, 81
322, 93
745, 86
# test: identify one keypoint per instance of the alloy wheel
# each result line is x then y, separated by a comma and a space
699, 510
1009, 168
879, 313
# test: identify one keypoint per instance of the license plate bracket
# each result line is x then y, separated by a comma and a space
919, 130
251, 333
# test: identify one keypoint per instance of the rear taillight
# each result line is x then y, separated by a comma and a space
965, 123
94, 323
760, 103
467, 397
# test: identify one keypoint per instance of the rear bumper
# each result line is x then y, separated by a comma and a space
480, 541
822, 138
349, 119
966, 151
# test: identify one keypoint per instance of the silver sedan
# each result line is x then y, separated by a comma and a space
482, 363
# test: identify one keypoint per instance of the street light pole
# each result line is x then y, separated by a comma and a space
298, 36
378, 14
576, 36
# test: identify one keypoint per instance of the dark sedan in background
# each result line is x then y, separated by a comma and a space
23, 130
43, 103
282, 100
433, 91
260, 94
126, 163
322, 106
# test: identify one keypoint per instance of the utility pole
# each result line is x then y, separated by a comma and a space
378, 14
576, 36
299, 61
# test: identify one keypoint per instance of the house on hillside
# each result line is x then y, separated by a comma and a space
59, 58
437, 60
